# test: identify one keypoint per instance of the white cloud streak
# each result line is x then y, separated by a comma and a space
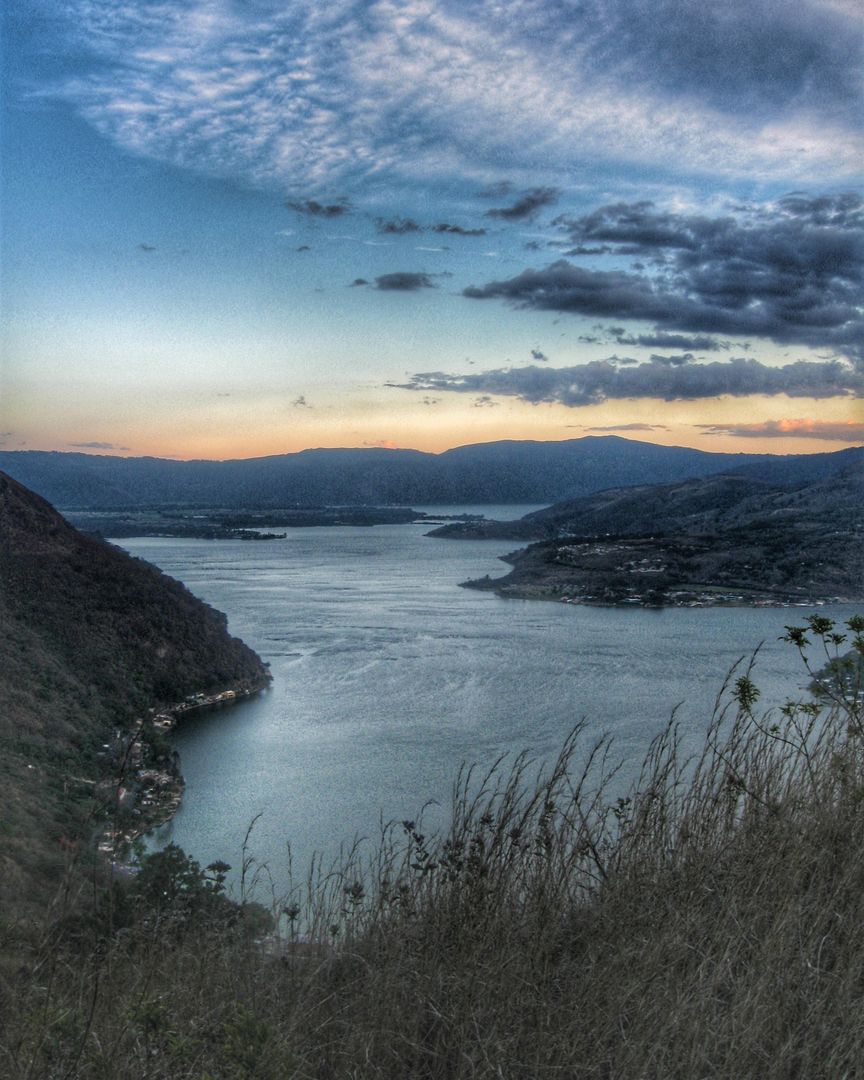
316, 94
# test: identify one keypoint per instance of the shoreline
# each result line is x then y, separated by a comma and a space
149, 789
684, 597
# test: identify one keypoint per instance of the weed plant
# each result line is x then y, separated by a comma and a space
708, 924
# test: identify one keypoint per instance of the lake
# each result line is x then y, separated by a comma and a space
387, 676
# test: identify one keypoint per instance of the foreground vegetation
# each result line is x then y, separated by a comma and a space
707, 924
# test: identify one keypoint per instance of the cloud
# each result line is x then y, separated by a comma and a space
298, 95
146, 247
527, 205
676, 360
314, 208
484, 402
499, 190
457, 230
584, 249
383, 444
303, 247
397, 226
404, 281
791, 272
96, 446
624, 427
831, 430
359, 281
538, 355
300, 402
694, 343
605, 380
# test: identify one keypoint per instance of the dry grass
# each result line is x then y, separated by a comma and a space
707, 925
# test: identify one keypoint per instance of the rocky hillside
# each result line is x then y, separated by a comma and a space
728, 539
823, 487
90, 640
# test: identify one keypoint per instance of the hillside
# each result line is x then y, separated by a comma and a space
485, 472
90, 640
729, 538
815, 485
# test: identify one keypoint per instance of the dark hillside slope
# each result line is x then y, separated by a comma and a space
824, 487
719, 539
801, 469
90, 638
834, 491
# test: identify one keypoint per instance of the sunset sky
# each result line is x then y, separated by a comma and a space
237, 229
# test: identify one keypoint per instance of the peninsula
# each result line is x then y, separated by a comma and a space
750, 537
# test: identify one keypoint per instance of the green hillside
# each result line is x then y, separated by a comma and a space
90, 640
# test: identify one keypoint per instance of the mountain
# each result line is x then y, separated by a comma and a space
818, 485
728, 538
90, 640
507, 471
831, 485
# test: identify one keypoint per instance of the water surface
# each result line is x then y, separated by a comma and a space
387, 676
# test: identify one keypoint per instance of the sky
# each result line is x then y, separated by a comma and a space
234, 229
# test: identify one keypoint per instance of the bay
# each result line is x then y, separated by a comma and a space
387, 676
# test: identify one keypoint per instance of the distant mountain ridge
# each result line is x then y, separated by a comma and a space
508, 471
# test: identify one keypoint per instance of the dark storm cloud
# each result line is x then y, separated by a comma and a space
844, 211
397, 226
404, 281
314, 208
791, 272
670, 341
527, 205
457, 230
603, 380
